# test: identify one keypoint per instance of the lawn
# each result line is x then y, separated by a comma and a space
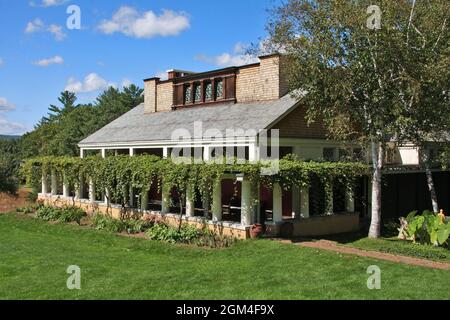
35, 255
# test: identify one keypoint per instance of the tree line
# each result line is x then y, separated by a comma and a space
65, 125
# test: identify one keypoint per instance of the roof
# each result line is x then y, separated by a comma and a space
137, 126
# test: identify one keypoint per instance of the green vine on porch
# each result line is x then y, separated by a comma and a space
120, 173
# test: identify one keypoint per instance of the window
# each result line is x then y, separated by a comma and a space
197, 92
187, 94
328, 154
219, 89
208, 91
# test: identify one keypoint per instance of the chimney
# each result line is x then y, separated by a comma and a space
150, 87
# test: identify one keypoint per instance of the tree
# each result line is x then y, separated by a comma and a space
362, 67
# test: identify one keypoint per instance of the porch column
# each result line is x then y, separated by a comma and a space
246, 205
296, 207
81, 153
91, 191
350, 199
107, 200
165, 152
206, 153
144, 200
190, 204
206, 207
165, 199
54, 183
277, 209
103, 153
217, 201
131, 192
304, 202
329, 210
66, 187
79, 190
44, 183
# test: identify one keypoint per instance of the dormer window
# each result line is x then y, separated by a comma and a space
205, 88
198, 93
219, 89
208, 91
187, 94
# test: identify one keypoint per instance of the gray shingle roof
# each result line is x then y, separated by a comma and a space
136, 126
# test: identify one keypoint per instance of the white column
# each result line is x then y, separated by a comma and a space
206, 153
165, 200
252, 156
131, 192
217, 201
66, 187
81, 153
329, 210
54, 183
144, 200
80, 189
206, 208
296, 208
277, 209
304, 202
131, 152
44, 183
91, 191
190, 204
103, 153
107, 199
246, 205
350, 200
165, 152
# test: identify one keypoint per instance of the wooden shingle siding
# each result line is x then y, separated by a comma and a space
295, 125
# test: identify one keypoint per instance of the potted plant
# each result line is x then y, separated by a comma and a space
256, 230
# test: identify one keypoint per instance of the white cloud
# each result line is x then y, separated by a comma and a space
132, 23
92, 82
126, 83
57, 32
5, 105
239, 57
162, 75
49, 61
37, 25
34, 26
48, 3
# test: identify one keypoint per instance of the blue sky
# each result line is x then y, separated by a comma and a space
119, 42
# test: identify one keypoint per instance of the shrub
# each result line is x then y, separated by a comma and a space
29, 209
71, 214
136, 226
188, 235
48, 213
131, 226
65, 214
428, 228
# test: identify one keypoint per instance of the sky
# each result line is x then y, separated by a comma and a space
117, 42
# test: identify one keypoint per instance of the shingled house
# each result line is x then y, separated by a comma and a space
227, 109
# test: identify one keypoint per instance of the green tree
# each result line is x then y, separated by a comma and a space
363, 68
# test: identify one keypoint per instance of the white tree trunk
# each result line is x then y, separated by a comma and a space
377, 161
430, 182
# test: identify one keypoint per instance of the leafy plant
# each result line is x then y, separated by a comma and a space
428, 228
71, 214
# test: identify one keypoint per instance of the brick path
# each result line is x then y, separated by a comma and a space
333, 246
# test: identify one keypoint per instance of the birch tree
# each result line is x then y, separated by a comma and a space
367, 67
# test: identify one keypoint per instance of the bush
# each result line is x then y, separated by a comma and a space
131, 226
66, 214
428, 228
48, 213
188, 235
71, 214
29, 209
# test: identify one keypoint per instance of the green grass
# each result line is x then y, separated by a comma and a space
406, 248
34, 256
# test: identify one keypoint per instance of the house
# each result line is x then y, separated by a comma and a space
229, 112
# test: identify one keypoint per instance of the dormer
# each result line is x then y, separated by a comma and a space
260, 81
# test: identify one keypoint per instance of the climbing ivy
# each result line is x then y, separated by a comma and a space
120, 173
